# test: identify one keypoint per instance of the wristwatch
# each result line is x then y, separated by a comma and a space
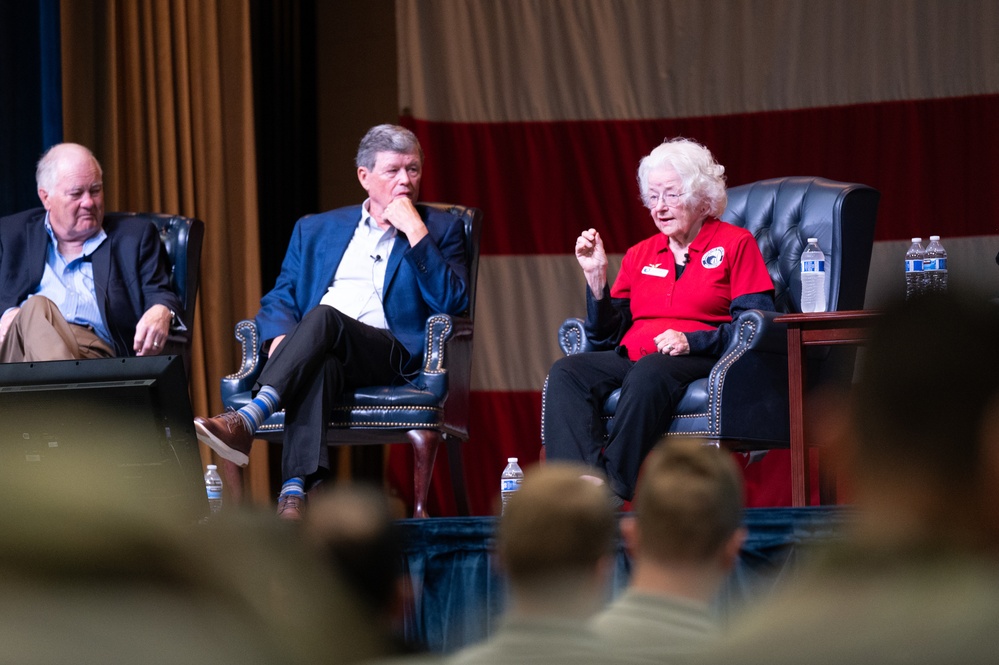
175, 322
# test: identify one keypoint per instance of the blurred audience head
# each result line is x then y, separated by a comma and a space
925, 414
556, 538
92, 573
688, 503
354, 530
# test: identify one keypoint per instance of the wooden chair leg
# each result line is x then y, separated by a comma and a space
425, 444
232, 481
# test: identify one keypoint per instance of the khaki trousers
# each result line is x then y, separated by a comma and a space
39, 332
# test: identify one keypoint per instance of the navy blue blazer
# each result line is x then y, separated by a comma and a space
430, 278
130, 270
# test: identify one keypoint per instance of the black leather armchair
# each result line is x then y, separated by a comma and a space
182, 238
431, 411
743, 403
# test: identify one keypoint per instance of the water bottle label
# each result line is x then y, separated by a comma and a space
811, 265
510, 484
913, 265
935, 264
214, 494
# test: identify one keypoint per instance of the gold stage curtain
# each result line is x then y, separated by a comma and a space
161, 91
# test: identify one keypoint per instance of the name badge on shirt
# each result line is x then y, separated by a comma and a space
654, 270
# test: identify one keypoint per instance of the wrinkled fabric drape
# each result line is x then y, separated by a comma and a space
459, 593
32, 98
161, 91
538, 112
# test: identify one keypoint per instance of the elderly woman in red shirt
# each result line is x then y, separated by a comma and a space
664, 322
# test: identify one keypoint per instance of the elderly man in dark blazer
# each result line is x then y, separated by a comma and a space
73, 287
348, 309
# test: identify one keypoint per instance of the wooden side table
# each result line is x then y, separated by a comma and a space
849, 327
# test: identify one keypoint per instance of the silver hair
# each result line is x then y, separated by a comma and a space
703, 178
386, 138
48, 165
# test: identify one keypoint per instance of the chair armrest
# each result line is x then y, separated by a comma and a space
433, 375
757, 331
572, 337
748, 386
457, 367
446, 370
448, 338
251, 362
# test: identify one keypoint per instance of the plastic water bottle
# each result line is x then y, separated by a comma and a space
914, 263
213, 485
935, 266
510, 481
813, 278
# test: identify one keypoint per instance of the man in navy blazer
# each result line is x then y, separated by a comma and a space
349, 309
73, 286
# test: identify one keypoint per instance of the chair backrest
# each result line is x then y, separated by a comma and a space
782, 213
472, 219
182, 238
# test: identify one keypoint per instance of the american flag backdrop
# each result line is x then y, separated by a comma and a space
538, 111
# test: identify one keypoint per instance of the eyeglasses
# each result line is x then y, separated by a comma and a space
670, 199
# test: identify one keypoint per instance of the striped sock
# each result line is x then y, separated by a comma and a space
260, 408
294, 486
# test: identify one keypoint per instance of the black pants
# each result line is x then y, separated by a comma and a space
325, 355
576, 389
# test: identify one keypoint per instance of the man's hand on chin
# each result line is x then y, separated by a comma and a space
402, 214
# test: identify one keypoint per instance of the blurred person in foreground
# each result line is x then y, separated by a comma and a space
662, 325
73, 286
555, 545
353, 529
684, 540
914, 578
349, 309
90, 575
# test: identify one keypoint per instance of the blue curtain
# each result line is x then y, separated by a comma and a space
458, 595
31, 102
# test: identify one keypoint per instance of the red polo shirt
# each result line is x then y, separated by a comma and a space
725, 263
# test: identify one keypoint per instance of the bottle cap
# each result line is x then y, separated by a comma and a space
934, 237
813, 240
511, 460
212, 466
917, 240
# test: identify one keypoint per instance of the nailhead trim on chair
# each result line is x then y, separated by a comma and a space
433, 322
388, 407
747, 330
378, 424
544, 395
689, 432
373, 423
246, 329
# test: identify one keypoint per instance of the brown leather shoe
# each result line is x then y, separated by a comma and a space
290, 507
226, 434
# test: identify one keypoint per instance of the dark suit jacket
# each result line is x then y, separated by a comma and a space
130, 270
430, 278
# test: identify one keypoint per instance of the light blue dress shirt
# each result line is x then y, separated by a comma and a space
70, 284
